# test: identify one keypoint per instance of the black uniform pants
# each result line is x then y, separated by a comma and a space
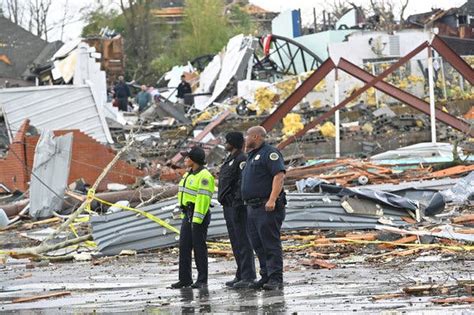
123, 103
236, 221
193, 237
264, 231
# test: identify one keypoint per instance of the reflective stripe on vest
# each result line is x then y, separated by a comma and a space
205, 192
199, 215
188, 191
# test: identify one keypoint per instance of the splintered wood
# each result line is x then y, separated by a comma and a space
349, 172
320, 263
41, 297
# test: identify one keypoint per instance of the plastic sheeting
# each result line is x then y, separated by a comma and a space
458, 195
234, 64
420, 152
382, 197
50, 173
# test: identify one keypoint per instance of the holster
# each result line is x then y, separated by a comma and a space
188, 211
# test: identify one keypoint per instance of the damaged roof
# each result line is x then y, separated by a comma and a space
55, 108
22, 49
462, 46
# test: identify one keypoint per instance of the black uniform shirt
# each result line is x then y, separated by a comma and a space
229, 180
257, 177
122, 90
183, 89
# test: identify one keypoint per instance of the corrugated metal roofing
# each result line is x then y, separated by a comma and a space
54, 108
51, 171
127, 230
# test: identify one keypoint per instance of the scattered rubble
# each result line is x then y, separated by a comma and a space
80, 180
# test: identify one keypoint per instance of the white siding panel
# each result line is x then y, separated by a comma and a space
55, 108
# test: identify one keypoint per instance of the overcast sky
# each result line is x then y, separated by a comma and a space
73, 30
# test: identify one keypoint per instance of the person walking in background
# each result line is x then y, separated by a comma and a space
121, 94
143, 98
183, 88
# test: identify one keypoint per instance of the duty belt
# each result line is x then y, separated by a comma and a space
255, 201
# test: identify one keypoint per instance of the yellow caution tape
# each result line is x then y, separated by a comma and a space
82, 220
73, 229
90, 196
143, 213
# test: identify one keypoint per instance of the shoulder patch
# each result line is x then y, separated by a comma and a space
242, 165
205, 182
274, 156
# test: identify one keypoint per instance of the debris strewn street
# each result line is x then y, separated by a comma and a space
338, 139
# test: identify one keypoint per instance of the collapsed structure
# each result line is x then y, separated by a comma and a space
402, 103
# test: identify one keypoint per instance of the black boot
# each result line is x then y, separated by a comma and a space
179, 285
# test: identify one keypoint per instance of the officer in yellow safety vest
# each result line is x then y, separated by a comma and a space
194, 196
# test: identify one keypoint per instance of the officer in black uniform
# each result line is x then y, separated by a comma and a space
235, 212
262, 192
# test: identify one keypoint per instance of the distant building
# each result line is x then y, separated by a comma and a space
454, 22
112, 56
21, 54
172, 12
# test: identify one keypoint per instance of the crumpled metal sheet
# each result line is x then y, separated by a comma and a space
57, 107
50, 173
386, 198
127, 230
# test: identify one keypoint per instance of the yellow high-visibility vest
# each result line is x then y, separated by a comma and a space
196, 189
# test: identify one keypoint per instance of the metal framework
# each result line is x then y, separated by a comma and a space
376, 82
214, 123
286, 56
454, 59
298, 94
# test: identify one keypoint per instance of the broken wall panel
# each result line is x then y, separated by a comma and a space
89, 158
51, 170
55, 108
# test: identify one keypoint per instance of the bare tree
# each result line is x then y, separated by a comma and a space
38, 22
65, 18
15, 11
385, 10
137, 18
402, 10
339, 8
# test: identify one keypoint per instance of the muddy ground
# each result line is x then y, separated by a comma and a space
139, 283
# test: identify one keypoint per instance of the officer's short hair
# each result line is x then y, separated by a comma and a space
259, 130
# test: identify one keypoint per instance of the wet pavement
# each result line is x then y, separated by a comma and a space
139, 283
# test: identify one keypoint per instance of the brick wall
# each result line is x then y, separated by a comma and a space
88, 159
12, 170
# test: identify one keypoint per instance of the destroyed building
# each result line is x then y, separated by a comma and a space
377, 145
454, 22
22, 54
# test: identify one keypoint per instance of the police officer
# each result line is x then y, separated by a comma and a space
262, 192
194, 196
235, 212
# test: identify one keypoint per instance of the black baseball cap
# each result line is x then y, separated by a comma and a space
196, 154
